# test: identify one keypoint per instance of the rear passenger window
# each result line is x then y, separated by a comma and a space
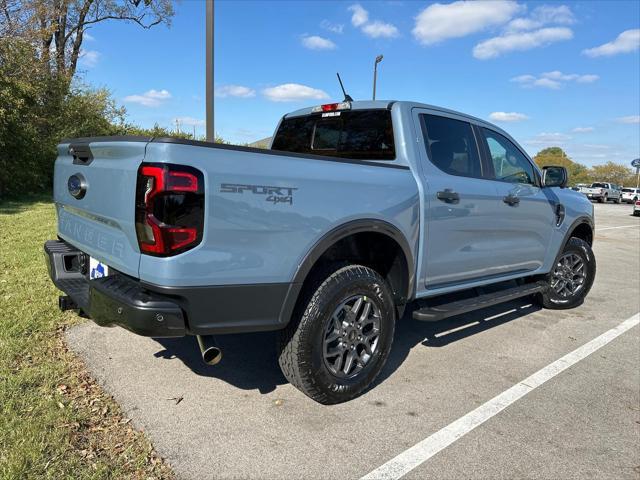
509, 164
451, 146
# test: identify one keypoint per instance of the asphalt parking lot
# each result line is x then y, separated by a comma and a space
241, 419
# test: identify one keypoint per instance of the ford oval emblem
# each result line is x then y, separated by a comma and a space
77, 186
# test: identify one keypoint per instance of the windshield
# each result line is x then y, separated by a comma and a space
629, 190
357, 134
599, 185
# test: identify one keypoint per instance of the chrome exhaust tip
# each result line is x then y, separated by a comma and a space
211, 354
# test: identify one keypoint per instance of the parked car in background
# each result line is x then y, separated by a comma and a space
630, 195
579, 187
636, 208
603, 192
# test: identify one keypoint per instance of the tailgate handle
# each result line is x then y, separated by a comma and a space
81, 153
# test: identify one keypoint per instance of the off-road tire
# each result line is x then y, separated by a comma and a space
301, 356
550, 299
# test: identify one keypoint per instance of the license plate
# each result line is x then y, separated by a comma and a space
97, 269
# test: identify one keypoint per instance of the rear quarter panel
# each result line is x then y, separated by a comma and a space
249, 239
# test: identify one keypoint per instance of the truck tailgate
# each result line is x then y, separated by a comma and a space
100, 220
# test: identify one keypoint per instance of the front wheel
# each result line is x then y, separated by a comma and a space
342, 335
571, 278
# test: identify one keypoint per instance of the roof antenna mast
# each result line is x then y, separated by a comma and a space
347, 97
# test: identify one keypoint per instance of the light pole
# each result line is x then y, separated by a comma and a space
210, 131
375, 74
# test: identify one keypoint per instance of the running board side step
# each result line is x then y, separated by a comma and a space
440, 312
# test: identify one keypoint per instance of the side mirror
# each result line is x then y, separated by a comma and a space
554, 177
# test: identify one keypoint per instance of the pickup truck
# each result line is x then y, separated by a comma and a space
602, 192
358, 212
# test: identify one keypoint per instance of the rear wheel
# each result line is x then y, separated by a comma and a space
342, 335
617, 200
572, 277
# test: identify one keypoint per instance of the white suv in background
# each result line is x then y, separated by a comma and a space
630, 195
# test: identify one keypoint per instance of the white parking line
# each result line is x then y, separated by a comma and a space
427, 448
612, 228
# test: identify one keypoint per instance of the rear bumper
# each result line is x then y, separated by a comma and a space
158, 311
113, 300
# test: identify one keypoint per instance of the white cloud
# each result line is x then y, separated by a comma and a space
189, 121
597, 146
508, 42
559, 14
332, 27
314, 42
151, 98
439, 22
380, 29
519, 24
587, 78
583, 129
87, 36
507, 116
548, 139
553, 80
627, 41
224, 91
89, 58
360, 15
540, 16
631, 119
373, 29
291, 92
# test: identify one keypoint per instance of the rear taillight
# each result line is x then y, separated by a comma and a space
638, 204
169, 208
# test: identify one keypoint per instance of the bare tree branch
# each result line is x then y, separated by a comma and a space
57, 27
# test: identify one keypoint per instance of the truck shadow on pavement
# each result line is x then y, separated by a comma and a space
250, 361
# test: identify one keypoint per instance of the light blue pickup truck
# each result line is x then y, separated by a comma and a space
358, 211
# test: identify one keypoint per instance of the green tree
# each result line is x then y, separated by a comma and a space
578, 173
41, 98
613, 173
36, 111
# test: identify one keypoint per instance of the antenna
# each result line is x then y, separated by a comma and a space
347, 97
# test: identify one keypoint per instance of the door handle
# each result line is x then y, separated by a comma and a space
448, 196
511, 200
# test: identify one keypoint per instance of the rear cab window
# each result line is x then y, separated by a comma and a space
353, 134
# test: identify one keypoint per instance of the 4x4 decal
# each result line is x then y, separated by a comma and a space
273, 194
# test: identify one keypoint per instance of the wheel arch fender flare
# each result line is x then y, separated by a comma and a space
582, 220
336, 234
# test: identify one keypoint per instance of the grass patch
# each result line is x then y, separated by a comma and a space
55, 422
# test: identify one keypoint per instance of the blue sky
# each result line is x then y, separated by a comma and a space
550, 73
